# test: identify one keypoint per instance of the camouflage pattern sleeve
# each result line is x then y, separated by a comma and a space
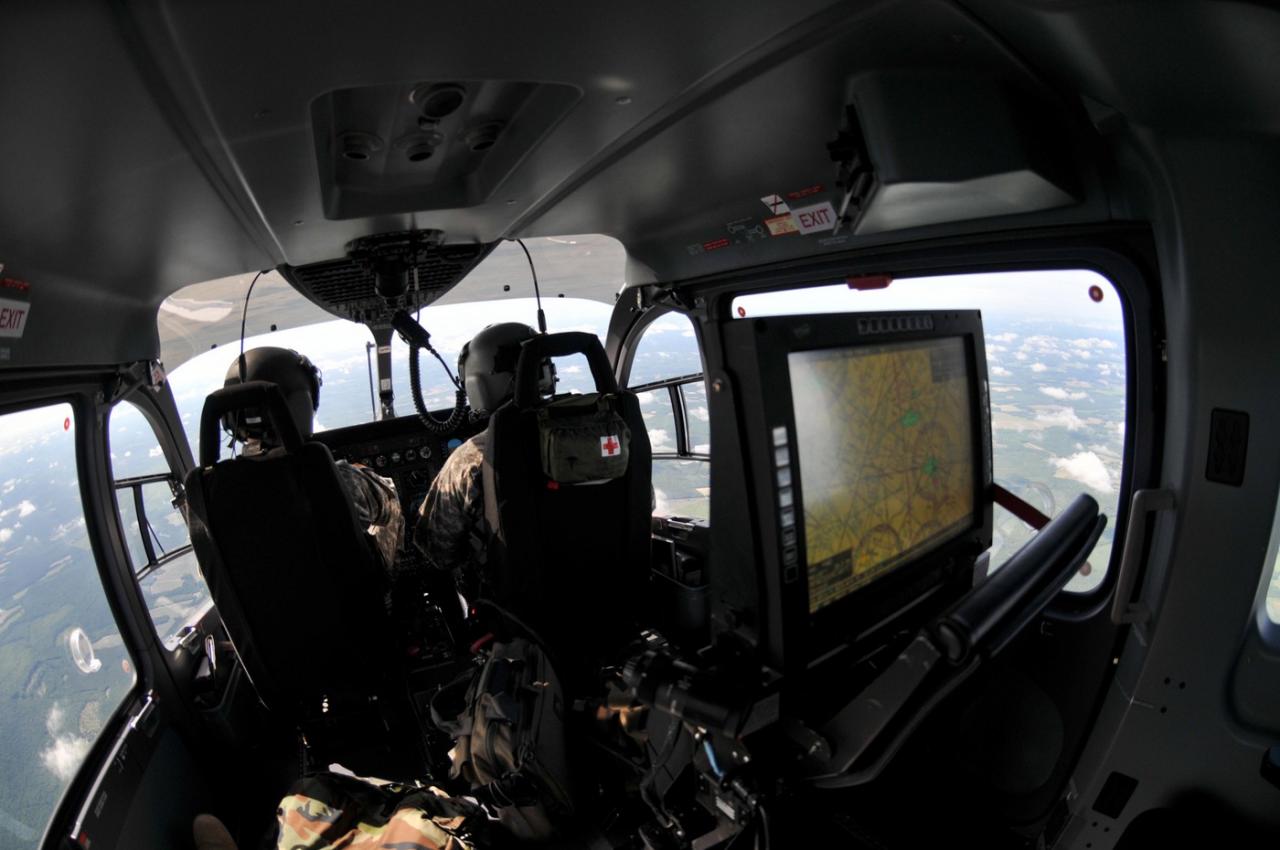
453, 509
327, 811
377, 507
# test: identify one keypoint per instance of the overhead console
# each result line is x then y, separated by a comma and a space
926, 147
381, 280
382, 273
434, 144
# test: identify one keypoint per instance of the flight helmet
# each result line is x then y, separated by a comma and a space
296, 376
487, 366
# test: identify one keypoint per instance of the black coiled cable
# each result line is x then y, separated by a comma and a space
456, 417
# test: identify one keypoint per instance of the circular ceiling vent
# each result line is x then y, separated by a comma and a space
436, 101
483, 137
418, 147
357, 146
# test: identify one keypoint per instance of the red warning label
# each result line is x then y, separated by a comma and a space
715, 244
805, 192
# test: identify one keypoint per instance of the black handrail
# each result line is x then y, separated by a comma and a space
992, 613
678, 381
151, 540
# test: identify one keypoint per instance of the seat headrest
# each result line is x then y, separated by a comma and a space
254, 398
538, 349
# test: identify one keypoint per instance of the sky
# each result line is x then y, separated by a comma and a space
1058, 295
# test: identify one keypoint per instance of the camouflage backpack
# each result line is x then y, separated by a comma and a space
509, 739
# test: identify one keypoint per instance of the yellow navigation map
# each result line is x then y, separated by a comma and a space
885, 442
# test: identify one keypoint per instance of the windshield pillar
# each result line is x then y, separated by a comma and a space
386, 395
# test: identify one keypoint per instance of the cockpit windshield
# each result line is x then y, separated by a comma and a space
200, 327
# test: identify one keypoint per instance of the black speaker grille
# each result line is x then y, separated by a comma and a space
345, 287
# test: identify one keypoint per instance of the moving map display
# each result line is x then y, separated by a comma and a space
887, 460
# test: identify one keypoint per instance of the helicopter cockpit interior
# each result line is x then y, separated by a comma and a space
889, 461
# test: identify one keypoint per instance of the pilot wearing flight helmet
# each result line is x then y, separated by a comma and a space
373, 497
450, 528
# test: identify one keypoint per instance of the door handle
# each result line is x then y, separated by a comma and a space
1144, 502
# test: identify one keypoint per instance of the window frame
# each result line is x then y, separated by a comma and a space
84, 392
679, 414
629, 343
151, 403
1122, 254
150, 541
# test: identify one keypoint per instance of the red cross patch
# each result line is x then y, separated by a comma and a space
609, 446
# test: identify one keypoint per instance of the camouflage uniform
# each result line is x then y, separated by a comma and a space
377, 507
328, 811
451, 519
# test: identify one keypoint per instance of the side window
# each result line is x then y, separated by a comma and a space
1272, 603
64, 668
149, 498
1273, 593
666, 375
1057, 367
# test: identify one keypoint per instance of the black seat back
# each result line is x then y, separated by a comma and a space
291, 572
570, 560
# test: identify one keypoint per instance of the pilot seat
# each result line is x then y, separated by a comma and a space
568, 503
294, 578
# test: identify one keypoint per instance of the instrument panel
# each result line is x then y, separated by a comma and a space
411, 456
399, 449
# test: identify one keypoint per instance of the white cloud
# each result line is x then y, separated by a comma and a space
1004, 337
156, 452
700, 413
1085, 467
1000, 372
1038, 367
5, 534
1020, 356
1093, 342
674, 322
1062, 417
64, 754
25, 508
1062, 395
660, 440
